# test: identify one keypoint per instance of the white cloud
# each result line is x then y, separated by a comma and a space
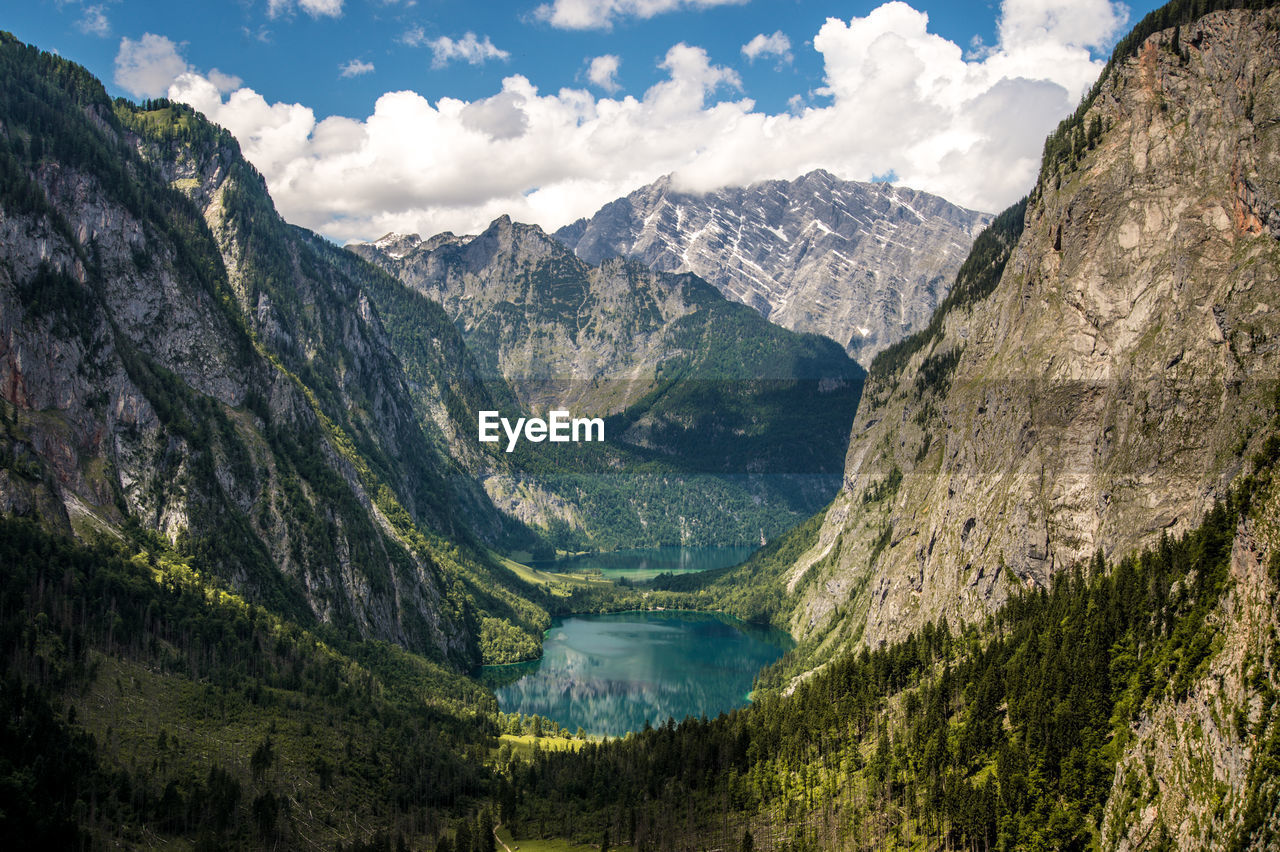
603, 72
897, 100
224, 82
468, 49
414, 37
314, 8
773, 45
600, 14
146, 67
499, 117
94, 21
1077, 23
355, 68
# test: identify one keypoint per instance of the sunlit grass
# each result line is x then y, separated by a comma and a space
552, 844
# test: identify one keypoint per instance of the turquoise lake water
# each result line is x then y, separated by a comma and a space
647, 563
610, 673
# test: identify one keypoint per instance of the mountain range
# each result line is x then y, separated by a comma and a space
720, 426
251, 550
864, 264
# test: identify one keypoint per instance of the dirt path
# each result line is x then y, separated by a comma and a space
499, 839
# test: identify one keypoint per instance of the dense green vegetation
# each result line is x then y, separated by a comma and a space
142, 700
754, 591
1004, 736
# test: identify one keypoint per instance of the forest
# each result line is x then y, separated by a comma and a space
996, 736
185, 690
130, 679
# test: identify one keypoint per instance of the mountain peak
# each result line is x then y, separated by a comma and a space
398, 245
863, 264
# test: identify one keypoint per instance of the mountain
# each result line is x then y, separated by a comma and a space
1042, 612
1101, 379
719, 425
864, 264
183, 369
1103, 370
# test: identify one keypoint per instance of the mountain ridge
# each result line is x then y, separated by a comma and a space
861, 263
1106, 389
745, 418
182, 362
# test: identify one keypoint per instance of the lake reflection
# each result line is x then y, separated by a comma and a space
610, 673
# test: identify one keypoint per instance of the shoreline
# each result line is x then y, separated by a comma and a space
633, 610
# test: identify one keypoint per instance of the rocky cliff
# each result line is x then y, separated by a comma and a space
864, 264
552, 326
1101, 373
175, 359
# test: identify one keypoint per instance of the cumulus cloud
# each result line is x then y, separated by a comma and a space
224, 82
1077, 23
603, 72
772, 45
600, 14
314, 8
499, 117
146, 67
897, 100
355, 68
93, 21
415, 36
467, 49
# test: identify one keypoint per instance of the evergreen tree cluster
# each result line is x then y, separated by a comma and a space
1003, 736
361, 718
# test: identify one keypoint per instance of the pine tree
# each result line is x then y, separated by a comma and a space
462, 837
484, 841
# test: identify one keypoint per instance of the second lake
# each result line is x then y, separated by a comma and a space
646, 563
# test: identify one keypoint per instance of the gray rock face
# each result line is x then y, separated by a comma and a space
863, 264
1111, 386
557, 329
173, 354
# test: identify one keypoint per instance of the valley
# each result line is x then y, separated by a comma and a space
264, 583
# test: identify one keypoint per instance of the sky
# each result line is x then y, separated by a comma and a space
421, 116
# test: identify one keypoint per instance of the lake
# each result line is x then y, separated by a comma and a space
609, 673
648, 562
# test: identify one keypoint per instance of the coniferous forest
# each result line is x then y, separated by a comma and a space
260, 587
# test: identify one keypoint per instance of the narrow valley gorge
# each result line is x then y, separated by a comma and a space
994, 500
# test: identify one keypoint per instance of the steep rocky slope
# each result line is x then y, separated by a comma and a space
1099, 376
176, 359
549, 324
862, 263
1201, 766
720, 426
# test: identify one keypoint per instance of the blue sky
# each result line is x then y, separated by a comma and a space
545, 110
